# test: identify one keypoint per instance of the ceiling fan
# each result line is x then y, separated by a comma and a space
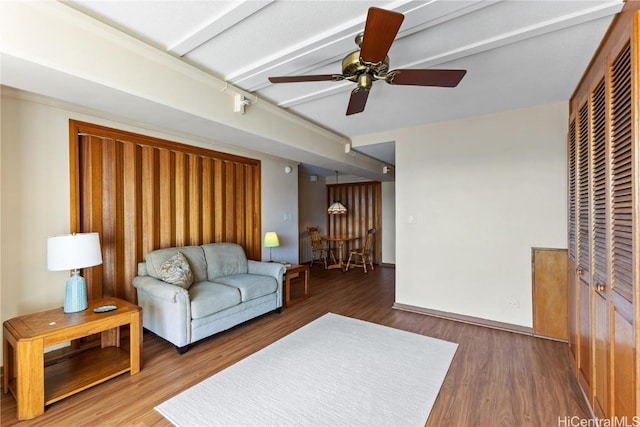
372, 63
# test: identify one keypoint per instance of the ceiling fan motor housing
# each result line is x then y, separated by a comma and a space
352, 67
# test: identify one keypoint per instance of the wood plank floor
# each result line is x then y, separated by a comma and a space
497, 378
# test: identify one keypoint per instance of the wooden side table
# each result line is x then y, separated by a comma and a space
289, 274
26, 337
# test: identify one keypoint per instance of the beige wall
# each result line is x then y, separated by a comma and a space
473, 196
484, 191
34, 197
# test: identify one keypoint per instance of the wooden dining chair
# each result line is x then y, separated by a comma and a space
319, 247
364, 255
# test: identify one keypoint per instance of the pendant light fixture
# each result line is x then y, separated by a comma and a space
336, 207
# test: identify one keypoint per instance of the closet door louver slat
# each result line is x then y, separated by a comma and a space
572, 191
622, 178
583, 189
599, 183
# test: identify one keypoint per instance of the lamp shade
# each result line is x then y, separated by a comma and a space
336, 208
271, 239
73, 251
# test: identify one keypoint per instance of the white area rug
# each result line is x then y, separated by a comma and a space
335, 371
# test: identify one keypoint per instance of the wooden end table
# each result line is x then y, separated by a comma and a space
289, 274
25, 338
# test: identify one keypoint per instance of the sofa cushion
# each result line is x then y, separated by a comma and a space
176, 271
251, 286
193, 254
208, 298
224, 259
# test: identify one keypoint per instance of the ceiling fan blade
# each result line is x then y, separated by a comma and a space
357, 101
309, 78
443, 78
379, 32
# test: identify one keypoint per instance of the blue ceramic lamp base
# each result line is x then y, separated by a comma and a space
75, 297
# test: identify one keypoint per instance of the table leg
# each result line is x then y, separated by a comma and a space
287, 292
341, 254
135, 343
7, 369
306, 282
29, 378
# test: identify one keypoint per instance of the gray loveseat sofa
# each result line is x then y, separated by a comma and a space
189, 293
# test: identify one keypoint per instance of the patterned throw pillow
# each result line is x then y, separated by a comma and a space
176, 271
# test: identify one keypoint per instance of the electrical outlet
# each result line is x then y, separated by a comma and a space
512, 303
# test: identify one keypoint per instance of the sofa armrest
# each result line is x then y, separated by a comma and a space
273, 269
159, 289
166, 309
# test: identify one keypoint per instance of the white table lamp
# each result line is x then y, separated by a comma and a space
72, 252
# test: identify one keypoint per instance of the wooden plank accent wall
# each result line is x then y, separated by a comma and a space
363, 201
142, 193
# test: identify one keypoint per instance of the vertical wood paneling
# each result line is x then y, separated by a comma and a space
182, 201
132, 224
166, 175
229, 197
255, 238
364, 210
218, 194
109, 215
142, 193
195, 198
239, 199
207, 201
150, 205
91, 214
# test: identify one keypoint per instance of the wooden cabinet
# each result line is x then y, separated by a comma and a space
549, 268
603, 259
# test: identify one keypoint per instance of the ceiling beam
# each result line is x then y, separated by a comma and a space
238, 12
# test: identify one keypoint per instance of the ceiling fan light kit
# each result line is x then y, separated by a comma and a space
371, 63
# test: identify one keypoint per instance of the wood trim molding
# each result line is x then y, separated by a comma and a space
469, 319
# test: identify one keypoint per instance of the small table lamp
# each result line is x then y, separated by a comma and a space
72, 252
271, 241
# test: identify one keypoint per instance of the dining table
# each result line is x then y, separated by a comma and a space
339, 240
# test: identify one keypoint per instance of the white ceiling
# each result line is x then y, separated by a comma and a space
517, 53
